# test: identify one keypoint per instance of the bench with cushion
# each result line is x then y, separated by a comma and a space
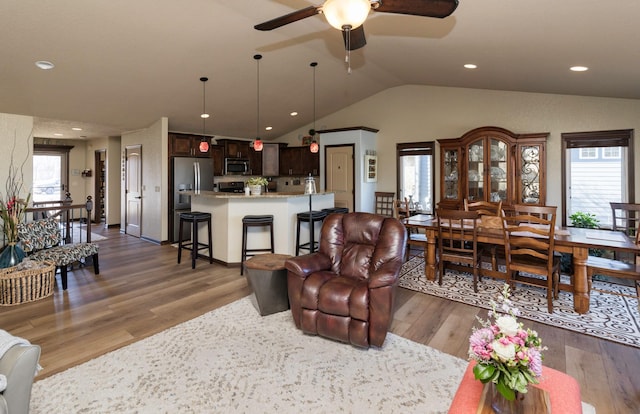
42, 240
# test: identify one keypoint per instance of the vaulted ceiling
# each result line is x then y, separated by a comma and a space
120, 65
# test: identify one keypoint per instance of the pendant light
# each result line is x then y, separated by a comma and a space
314, 147
257, 144
204, 143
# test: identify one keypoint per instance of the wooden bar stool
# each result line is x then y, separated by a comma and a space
254, 221
315, 216
193, 218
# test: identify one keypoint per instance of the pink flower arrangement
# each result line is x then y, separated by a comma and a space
506, 354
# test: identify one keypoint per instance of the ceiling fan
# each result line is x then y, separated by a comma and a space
348, 15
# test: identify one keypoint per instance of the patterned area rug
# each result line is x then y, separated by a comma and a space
231, 360
611, 317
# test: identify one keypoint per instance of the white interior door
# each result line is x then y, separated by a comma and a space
133, 214
339, 175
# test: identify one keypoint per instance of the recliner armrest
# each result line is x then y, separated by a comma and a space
19, 365
305, 265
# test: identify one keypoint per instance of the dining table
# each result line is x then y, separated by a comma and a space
572, 240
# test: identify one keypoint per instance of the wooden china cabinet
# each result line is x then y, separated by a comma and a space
493, 164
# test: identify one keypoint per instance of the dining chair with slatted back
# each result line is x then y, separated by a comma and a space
529, 246
384, 202
616, 269
458, 241
416, 239
625, 218
490, 217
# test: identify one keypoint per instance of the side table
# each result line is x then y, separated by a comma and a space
564, 392
267, 277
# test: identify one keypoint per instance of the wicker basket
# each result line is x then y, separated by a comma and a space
26, 285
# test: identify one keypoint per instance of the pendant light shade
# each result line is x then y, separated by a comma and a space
204, 143
257, 144
314, 147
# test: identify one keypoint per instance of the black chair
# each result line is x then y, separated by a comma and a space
193, 218
312, 218
255, 221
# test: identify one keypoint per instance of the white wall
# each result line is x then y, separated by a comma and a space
16, 141
363, 140
155, 181
413, 113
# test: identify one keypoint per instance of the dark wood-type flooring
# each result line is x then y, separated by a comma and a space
141, 290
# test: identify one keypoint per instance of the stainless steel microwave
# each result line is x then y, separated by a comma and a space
236, 166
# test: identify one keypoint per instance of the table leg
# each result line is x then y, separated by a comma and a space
430, 256
581, 294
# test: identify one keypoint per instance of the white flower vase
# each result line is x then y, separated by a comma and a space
255, 189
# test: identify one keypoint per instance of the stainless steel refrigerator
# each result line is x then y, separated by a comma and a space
189, 174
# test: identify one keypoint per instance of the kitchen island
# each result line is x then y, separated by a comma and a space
228, 209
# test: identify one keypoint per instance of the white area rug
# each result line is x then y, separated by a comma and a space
231, 360
611, 317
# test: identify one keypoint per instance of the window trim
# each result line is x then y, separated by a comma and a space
417, 148
610, 138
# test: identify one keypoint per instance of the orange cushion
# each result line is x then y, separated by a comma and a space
564, 392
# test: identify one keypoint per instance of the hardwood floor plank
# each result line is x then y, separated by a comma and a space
141, 290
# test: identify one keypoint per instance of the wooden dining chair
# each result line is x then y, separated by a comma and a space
625, 218
415, 238
529, 244
384, 202
616, 269
490, 215
458, 241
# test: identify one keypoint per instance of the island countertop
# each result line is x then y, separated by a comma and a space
228, 209
275, 194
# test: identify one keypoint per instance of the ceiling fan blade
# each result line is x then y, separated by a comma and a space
288, 18
355, 39
428, 8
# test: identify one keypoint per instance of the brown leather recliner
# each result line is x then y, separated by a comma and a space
346, 290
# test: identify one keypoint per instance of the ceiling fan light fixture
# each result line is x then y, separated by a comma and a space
346, 13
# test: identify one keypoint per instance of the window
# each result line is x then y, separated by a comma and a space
416, 174
611, 152
50, 171
588, 153
597, 168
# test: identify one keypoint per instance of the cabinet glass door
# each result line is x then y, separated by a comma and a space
451, 174
475, 179
529, 174
498, 168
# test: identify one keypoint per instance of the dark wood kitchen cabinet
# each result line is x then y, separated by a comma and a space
299, 161
271, 160
217, 153
255, 162
235, 148
185, 145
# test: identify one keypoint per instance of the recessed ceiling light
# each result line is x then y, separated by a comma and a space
205, 116
294, 113
269, 128
45, 64
57, 134
470, 66
579, 68
76, 129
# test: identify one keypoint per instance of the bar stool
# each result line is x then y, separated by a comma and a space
193, 218
335, 210
305, 217
254, 221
